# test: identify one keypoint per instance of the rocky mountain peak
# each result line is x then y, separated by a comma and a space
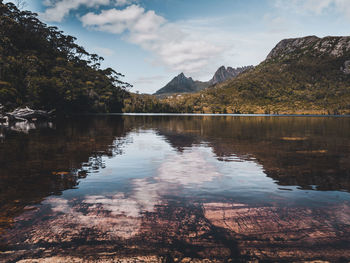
311, 45
179, 84
223, 74
181, 78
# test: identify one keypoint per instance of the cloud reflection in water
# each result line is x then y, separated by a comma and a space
120, 215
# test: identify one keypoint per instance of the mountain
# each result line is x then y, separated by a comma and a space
223, 74
308, 75
182, 84
311, 46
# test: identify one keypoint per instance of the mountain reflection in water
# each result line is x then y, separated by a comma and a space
177, 188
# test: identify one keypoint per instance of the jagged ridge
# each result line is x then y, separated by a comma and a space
182, 84
223, 74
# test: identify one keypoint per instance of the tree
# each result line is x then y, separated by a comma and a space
42, 67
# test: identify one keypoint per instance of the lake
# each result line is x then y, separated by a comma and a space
172, 188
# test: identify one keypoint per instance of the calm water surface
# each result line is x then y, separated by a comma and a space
176, 188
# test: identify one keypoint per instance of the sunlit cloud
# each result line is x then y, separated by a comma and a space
171, 46
57, 9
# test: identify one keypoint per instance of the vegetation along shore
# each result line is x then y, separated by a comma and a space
44, 69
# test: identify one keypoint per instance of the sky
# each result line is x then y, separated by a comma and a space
152, 41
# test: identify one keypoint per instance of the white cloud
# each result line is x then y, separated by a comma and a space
149, 80
316, 6
344, 7
132, 18
173, 47
105, 51
58, 9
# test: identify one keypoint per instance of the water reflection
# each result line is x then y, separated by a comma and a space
48, 161
171, 188
294, 151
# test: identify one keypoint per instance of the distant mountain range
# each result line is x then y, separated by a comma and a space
183, 84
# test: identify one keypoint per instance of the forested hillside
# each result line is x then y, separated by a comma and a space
43, 68
307, 75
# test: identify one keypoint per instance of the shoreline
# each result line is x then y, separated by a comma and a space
216, 114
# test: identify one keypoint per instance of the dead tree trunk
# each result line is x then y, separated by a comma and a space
26, 114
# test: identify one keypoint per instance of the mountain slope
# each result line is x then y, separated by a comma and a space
300, 75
